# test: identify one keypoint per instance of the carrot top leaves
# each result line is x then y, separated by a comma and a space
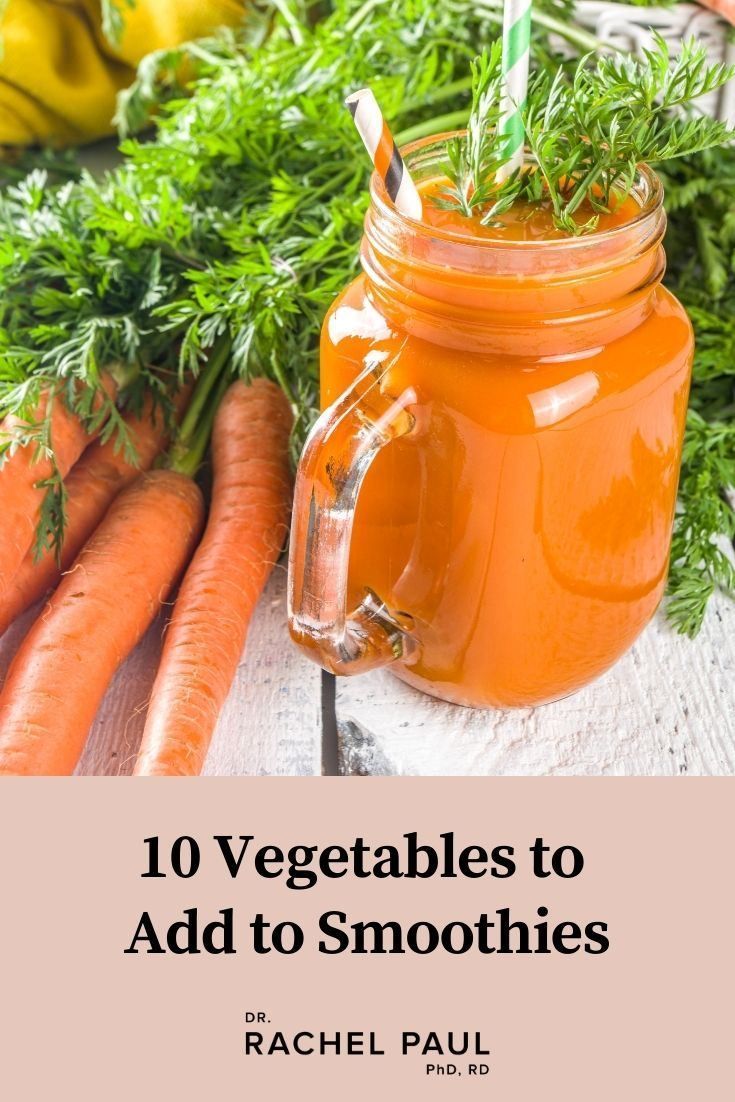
241, 215
586, 130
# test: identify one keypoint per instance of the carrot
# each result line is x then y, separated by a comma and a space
99, 476
22, 476
244, 536
92, 622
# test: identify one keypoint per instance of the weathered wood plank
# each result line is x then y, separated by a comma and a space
271, 723
668, 707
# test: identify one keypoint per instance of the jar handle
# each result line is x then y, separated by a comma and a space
337, 455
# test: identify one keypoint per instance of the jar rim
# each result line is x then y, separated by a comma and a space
645, 177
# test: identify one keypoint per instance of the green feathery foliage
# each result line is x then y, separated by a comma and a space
586, 131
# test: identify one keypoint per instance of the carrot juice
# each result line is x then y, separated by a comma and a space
488, 502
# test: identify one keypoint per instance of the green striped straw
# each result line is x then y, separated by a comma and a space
516, 54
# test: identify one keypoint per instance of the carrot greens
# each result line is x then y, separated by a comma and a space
586, 131
237, 218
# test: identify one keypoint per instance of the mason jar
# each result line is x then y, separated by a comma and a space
486, 503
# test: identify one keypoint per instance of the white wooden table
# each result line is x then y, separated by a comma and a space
667, 708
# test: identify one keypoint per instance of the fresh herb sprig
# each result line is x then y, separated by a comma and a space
700, 246
701, 553
586, 132
475, 158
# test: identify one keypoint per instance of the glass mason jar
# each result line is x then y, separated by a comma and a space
486, 503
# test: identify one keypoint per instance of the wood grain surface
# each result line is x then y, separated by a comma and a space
668, 707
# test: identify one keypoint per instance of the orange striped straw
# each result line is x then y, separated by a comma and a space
380, 144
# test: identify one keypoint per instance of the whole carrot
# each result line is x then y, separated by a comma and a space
22, 476
245, 533
99, 476
92, 622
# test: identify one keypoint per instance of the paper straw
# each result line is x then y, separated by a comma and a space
516, 55
379, 142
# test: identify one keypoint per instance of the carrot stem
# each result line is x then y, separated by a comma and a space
205, 382
189, 460
196, 427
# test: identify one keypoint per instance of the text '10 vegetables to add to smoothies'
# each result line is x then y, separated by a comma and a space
139, 312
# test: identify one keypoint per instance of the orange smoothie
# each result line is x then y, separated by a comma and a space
523, 222
518, 525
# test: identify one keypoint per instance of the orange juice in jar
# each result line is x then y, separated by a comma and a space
486, 503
